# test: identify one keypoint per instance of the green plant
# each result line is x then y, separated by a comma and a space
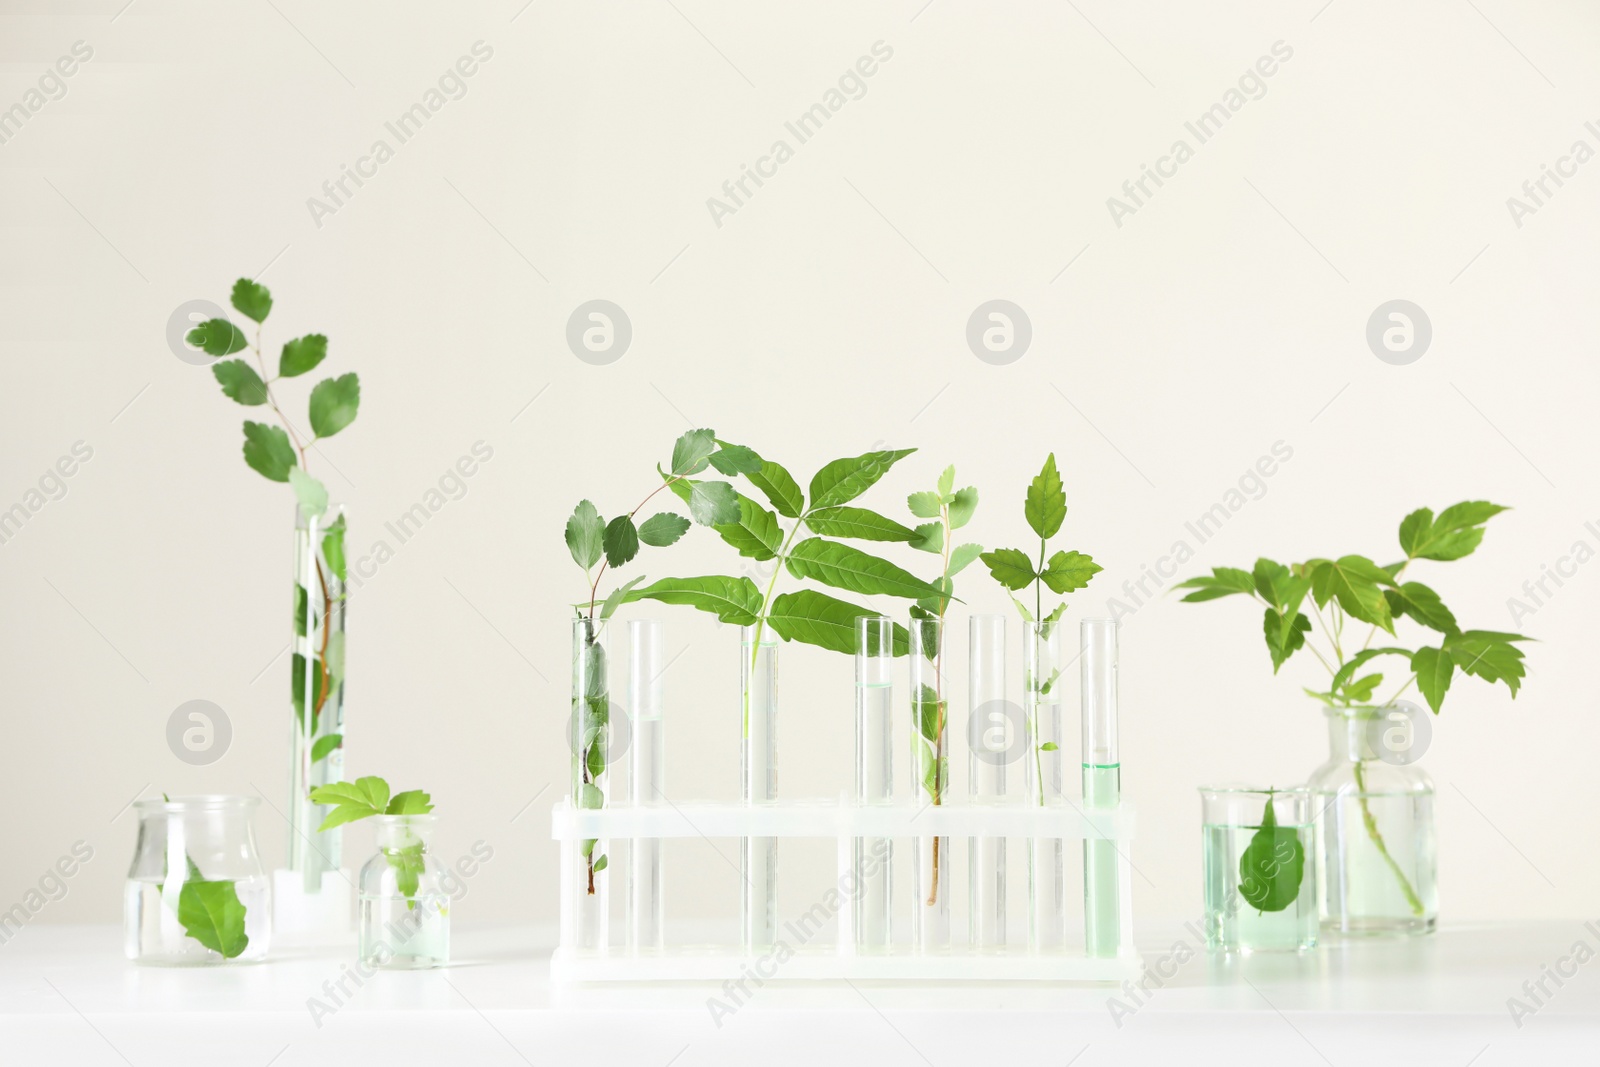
369, 796
209, 910
595, 543
1354, 587
278, 453
1272, 864
1045, 509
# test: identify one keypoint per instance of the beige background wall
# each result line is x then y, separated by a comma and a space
824, 317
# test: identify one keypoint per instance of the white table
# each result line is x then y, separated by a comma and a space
67, 996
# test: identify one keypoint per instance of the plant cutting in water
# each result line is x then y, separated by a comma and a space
1045, 509
369, 796
594, 542
210, 911
1272, 865
950, 509
1354, 587
279, 454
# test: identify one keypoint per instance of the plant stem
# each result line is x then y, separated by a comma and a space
1377, 839
595, 586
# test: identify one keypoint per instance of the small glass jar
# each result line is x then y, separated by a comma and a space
404, 910
196, 892
1376, 854
1260, 876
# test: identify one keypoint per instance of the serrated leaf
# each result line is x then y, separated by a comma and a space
1360, 659
847, 567
780, 489
240, 382
1069, 571
213, 914
1285, 635
713, 503
1223, 581
1423, 604
814, 618
963, 506
1490, 655
735, 601
267, 450
1434, 667
334, 403
410, 802
1455, 533
662, 529
947, 482
929, 537
925, 505
1353, 581
218, 337
1278, 586
735, 459
1046, 504
960, 557
692, 452
620, 541
312, 494
333, 548
1360, 691
845, 479
302, 354
859, 523
1010, 567
618, 597
252, 300
1272, 866
585, 535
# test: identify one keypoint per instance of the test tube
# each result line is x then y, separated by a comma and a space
646, 909
1102, 788
989, 749
873, 857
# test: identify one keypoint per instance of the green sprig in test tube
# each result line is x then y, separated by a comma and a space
1102, 787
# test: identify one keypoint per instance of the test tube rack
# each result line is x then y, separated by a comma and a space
844, 821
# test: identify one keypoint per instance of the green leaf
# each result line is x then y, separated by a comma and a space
1455, 533
601, 863
240, 382
927, 714
1286, 634
375, 789
1423, 604
1069, 571
1010, 567
756, 534
929, 537
1223, 581
735, 459
1353, 581
620, 540
962, 507
815, 618
1356, 662
845, 479
1278, 586
1434, 667
1046, 504
859, 523
847, 567
714, 503
1360, 691
735, 601
589, 796
302, 354
410, 802
324, 745
1272, 865
692, 452
300, 610
961, 556
925, 505
618, 597
334, 403
267, 450
780, 489
213, 914
585, 534
1049, 746
251, 300
947, 482
312, 494
408, 866
333, 548
1490, 655
662, 529
218, 337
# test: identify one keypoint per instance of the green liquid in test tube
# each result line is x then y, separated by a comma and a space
1102, 788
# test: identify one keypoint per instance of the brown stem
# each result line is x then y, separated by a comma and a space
322, 658
595, 587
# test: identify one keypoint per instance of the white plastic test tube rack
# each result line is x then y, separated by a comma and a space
843, 821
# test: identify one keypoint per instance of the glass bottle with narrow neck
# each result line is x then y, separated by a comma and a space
1102, 788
